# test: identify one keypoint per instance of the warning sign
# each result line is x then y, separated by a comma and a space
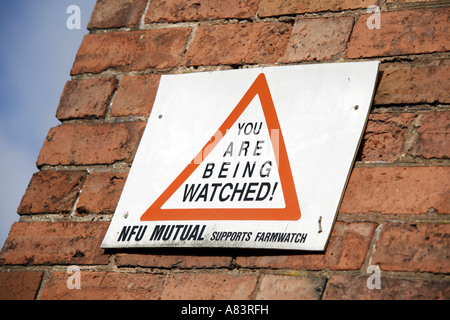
236, 175
254, 158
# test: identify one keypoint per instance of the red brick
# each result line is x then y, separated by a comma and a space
135, 96
414, 82
432, 139
318, 39
343, 287
420, 247
101, 193
238, 44
104, 143
52, 191
276, 287
117, 13
172, 261
104, 286
85, 98
181, 10
410, 1
287, 7
43, 243
384, 137
398, 190
211, 286
131, 51
401, 33
19, 285
346, 251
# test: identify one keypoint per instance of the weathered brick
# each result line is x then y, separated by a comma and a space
135, 96
116, 13
402, 32
343, 287
181, 10
346, 250
52, 191
432, 2
211, 286
285, 7
432, 138
414, 82
172, 260
238, 44
19, 285
384, 137
318, 39
43, 243
130, 51
104, 286
418, 247
85, 98
398, 190
277, 287
103, 143
101, 192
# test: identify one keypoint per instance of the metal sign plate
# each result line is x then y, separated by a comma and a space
251, 158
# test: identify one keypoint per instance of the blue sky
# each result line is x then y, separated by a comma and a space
36, 54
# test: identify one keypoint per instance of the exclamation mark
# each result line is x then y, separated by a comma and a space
273, 191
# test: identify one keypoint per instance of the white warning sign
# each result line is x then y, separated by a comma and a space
238, 168
254, 158
240, 172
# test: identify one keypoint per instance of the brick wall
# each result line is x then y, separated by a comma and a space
395, 212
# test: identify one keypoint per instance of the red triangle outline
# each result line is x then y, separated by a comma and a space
292, 208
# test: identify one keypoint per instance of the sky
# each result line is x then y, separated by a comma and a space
37, 52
